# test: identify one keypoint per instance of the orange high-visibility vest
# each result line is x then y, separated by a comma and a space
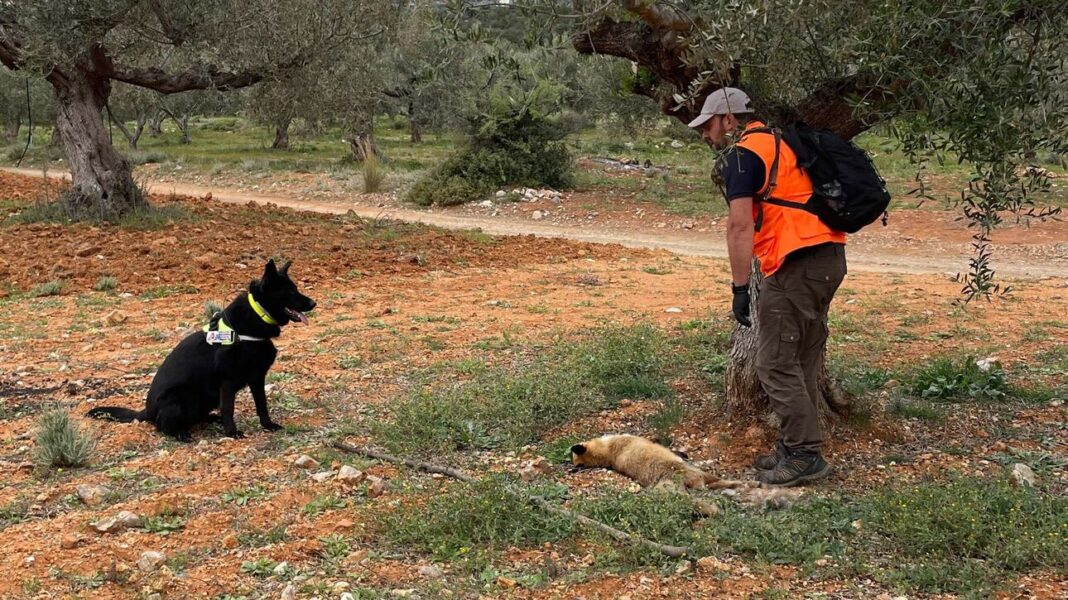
782, 229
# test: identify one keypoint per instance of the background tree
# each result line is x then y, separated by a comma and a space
81, 47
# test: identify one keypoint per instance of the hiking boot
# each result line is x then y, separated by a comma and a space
767, 462
795, 468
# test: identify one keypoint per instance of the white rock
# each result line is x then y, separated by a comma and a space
673, 309
290, 593
430, 571
119, 522
347, 596
280, 568
376, 486
1023, 475
92, 495
985, 364
306, 462
322, 476
677, 144
501, 194
350, 475
486, 203
537, 215
151, 560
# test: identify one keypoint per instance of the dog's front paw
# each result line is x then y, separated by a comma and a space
270, 425
236, 434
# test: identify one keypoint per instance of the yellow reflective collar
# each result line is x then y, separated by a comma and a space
267, 318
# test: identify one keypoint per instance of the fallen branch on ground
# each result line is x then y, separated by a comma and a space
623, 536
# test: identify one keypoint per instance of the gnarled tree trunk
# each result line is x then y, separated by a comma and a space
155, 123
102, 183
361, 137
281, 134
745, 397
413, 124
11, 130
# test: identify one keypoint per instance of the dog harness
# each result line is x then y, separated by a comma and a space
219, 333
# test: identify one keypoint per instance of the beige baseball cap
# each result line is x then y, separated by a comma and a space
724, 101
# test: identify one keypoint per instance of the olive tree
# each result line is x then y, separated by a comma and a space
81, 47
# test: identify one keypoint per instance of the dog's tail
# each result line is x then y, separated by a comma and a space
116, 413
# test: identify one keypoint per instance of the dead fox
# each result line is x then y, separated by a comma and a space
646, 462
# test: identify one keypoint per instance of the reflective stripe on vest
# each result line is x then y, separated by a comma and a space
784, 225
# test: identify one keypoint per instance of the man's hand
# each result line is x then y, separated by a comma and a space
740, 305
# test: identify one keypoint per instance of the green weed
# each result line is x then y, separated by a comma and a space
59, 442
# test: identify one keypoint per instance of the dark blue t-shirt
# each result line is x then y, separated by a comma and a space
742, 172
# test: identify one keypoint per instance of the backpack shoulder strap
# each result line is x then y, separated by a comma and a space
773, 173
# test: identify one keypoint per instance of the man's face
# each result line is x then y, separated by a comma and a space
716, 130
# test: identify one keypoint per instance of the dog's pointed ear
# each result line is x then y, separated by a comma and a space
285, 268
578, 449
270, 270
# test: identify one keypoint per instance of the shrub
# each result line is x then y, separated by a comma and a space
512, 145
105, 284
59, 442
962, 379
52, 288
373, 174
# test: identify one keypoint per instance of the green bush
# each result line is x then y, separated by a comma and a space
512, 145
105, 284
59, 442
960, 379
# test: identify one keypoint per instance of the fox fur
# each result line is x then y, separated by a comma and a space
646, 462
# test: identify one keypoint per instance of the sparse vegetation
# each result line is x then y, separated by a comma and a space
106, 283
52, 288
59, 442
959, 379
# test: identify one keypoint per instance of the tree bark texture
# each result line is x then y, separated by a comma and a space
281, 134
102, 185
155, 124
11, 130
413, 124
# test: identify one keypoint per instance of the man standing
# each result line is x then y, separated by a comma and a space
803, 261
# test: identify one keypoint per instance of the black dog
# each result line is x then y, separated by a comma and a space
207, 369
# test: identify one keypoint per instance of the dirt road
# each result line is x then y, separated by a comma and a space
873, 251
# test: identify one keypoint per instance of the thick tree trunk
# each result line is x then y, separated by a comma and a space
281, 134
183, 126
413, 124
155, 124
362, 137
102, 185
11, 130
745, 398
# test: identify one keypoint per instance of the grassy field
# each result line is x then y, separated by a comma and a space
222, 145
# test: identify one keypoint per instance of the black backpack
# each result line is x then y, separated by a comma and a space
847, 192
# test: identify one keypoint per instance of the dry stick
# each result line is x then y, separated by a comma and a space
623, 536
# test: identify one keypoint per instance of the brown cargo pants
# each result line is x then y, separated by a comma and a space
792, 311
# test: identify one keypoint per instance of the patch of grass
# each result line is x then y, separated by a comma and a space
660, 515
322, 504
668, 415
915, 409
242, 496
210, 308
59, 442
149, 217
657, 270
52, 288
349, 362
164, 291
373, 173
263, 537
800, 535
261, 567
474, 521
164, 524
500, 408
106, 283
14, 512
959, 379
966, 535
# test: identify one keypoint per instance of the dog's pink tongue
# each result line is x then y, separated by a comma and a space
303, 317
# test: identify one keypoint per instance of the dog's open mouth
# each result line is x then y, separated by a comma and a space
296, 315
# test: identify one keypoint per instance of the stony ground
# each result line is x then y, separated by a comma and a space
397, 300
